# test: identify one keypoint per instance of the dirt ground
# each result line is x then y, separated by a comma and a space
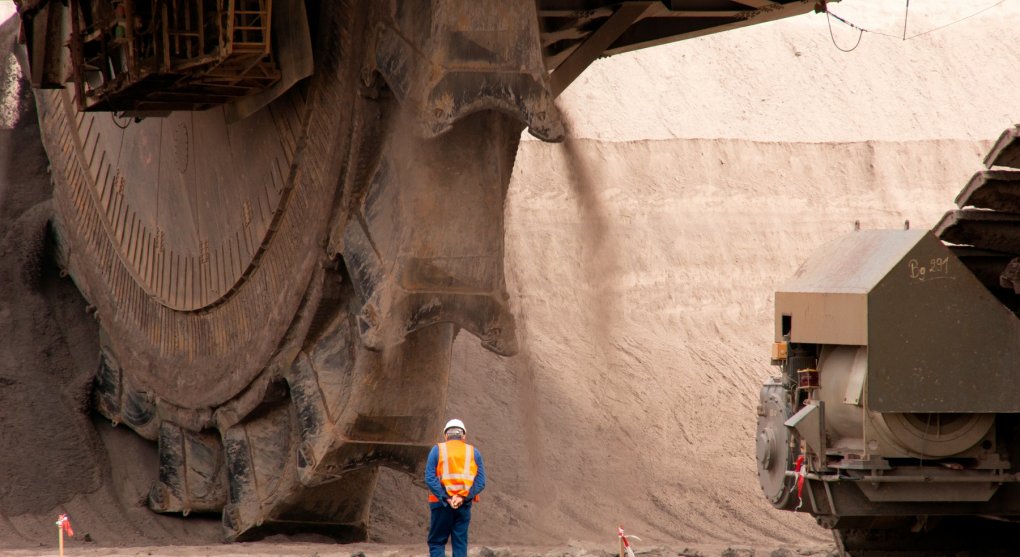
641, 259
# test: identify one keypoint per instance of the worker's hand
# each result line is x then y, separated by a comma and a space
456, 501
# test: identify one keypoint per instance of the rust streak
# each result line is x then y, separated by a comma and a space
120, 228
110, 209
170, 277
188, 280
178, 282
219, 279
79, 197
279, 180
157, 269
106, 197
144, 254
89, 227
230, 257
85, 143
132, 240
240, 259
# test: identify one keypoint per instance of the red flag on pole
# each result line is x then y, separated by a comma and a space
628, 550
801, 471
65, 524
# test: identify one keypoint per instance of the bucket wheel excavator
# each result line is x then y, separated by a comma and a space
282, 212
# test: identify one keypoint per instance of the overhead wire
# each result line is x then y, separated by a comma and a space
904, 37
939, 28
860, 32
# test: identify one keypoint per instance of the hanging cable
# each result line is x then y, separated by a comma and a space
860, 33
113, 117
904, 37
859, 28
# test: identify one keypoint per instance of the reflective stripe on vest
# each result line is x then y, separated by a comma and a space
456, 468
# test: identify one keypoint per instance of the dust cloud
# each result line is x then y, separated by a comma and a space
599, 249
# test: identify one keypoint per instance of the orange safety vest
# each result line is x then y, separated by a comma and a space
456, 468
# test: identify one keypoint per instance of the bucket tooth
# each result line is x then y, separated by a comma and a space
266, 494
192, 472
119, 402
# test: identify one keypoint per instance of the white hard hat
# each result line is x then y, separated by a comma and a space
455, 423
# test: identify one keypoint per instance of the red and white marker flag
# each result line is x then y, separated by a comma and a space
64, 523
625, 541
63, 527
801, 471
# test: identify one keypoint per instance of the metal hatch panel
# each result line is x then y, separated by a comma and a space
826, 300
938, 340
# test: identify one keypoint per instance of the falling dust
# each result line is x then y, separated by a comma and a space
600, 250
599, 257
601, 268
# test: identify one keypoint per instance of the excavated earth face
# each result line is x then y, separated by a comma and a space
641, 273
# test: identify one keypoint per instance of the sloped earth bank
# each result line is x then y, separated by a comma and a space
642, 275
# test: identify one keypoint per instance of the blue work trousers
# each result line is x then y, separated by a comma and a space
449, 524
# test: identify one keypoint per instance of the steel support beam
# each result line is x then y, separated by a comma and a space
756, 4
596, 44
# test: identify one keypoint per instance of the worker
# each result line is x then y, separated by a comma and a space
455, 475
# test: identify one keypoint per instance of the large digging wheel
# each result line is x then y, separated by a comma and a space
235, 296
278, 289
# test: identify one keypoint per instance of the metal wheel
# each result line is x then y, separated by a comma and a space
278, 296
774, 446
